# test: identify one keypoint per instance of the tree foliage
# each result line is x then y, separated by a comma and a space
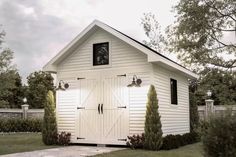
199, 33
153, 131
152, 30
39, 83
11, 92
222, 84
49, 131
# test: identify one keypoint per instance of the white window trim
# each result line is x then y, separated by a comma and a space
110, 54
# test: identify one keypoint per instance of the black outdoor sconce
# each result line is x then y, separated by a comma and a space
66, 85
136, 82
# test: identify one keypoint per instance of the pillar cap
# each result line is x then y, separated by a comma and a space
209, 100
25, 105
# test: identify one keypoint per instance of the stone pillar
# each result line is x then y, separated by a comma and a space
209, 110
25, 109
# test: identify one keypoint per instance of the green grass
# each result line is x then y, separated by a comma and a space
194, 150
21, 142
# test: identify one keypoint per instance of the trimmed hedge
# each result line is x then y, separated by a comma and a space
169, 141
20, 125
176, 141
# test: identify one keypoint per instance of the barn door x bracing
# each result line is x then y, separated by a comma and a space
103, 109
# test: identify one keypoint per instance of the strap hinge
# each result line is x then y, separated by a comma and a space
79, 108
124, 75
122, 139
121, 107
80, 78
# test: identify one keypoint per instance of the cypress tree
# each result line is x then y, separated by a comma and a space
49, 131
153, 132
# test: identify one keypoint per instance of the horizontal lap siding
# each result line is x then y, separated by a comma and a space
122, 54
138, 100
66, 109
174, 118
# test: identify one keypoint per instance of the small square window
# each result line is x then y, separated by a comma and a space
173, 89
101, 54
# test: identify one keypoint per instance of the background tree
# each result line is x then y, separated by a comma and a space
152, 30
199, 33
153, 131
11, 88
222, 84
39, 83
49, 131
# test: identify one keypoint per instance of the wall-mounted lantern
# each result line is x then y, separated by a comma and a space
24, 100
209, 93
136, 82
66, 85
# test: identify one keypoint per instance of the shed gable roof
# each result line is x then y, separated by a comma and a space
153, 56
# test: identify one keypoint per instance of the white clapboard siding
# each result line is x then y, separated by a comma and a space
122, 55
124, 59
174, 118
137, 102
66, 109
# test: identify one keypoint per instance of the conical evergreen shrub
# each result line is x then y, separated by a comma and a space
153, 131
49, 130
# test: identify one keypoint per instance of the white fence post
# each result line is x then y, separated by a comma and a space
209, 108
25, 109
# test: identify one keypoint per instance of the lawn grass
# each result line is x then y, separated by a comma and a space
193, 150
21, 142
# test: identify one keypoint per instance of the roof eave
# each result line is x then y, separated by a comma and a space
188, 73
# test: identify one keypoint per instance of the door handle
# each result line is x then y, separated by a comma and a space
102, 108
98, 108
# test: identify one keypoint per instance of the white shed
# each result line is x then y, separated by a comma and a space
98, 107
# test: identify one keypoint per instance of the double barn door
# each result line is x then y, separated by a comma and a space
102, 111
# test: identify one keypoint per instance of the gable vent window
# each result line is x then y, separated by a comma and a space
101, 54
173, 89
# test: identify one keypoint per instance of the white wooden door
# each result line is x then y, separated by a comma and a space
102, 113
115, 116
89, 120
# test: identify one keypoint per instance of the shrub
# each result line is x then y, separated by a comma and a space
20, 125
135, 141
170, 142
49, 131
175, 141
203, 127
63, 138
153, 132
194, 117
219, 139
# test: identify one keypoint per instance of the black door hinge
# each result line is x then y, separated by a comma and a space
121, 107
124, 75
79, 108
122, 139
80, 138
80, 78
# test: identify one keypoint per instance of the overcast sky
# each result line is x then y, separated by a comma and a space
38, 29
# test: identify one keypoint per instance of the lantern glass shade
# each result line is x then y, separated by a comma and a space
25, 100
209, 93
66, 85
